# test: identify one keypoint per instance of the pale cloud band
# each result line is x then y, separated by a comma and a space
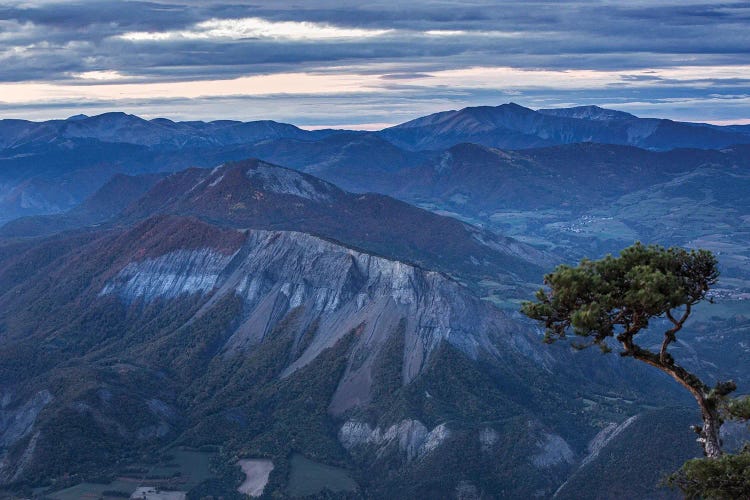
254, 27
684, 60
512, 80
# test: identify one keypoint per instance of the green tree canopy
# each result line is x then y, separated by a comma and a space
727, 477
617, 296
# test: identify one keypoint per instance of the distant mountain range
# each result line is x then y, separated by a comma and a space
510, 126
472, 179
159, 132
49, 167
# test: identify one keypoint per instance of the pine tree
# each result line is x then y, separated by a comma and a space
610, 302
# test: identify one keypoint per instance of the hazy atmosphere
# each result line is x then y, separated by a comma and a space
398, 250
371, 64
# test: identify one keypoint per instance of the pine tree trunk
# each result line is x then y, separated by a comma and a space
709, 433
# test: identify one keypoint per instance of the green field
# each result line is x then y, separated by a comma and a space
182, 470
91, 490
193, 466
308, 477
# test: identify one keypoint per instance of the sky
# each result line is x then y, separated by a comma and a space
367, 65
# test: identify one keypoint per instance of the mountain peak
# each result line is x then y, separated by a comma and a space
515, 107
512, 126
591, 112
111, 119
278, 180
114, 115
162, 121
470, 119
508, 125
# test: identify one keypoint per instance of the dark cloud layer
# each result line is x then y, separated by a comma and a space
57, 42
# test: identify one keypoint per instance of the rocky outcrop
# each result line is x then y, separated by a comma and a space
332, 290
553, 450
169, 276
290, 182
17, 423
434, 439
596, 445
488, 437
604, 437
409, 436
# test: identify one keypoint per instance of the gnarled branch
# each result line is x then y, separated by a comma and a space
670, 335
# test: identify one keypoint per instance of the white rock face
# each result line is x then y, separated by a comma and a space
596, 445
553, 450
6, 397
16, 424
285, 181
411, 436
354, 433
435, 438
329, 291
12, 470
168, 276
603, 437
445, 163
488, 437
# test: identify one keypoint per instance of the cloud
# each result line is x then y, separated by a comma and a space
421, 54
404, 76
363, 80
101, 75
255, 27
274, 84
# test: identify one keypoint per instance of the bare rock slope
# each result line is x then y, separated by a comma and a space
331, 290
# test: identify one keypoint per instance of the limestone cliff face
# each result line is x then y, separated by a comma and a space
169, 276
409, 437
16, 423
331, 290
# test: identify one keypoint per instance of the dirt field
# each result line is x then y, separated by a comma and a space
256, 476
